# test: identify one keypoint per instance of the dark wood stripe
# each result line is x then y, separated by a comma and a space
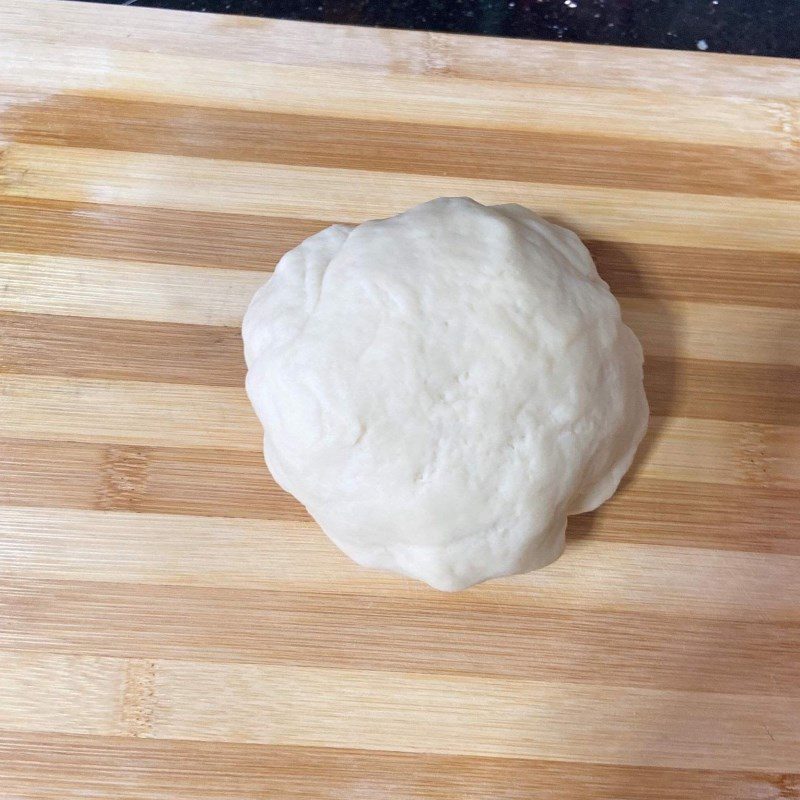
189, 238
167, 480
715, 516
402, 147
699, 274
236, 484
450, 635
249, 242
32, 765
726, 390
82, 347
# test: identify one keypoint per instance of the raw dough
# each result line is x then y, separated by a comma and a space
442, 388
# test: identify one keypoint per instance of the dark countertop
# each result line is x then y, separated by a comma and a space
756, 27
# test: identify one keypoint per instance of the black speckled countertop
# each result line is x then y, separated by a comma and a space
755, 27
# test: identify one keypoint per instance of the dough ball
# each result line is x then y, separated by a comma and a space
442, 388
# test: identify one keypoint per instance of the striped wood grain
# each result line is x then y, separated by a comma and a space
135, 547
216, 770
641, 216
219, 240
174, 625
347, 92
237, 135
393, 633
407, 712
228, 483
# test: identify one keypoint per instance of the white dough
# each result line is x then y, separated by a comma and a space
442, 388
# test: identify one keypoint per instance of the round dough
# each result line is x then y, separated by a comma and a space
442, 388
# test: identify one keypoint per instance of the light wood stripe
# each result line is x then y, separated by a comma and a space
48, 692
708, 331
720, 452
376, 710
127, 547
475, 717
215, 770
128, 412
194, 184
47, 68
86, 347
142, 291
215, 483
405, 52
403, 634
125, 289
397, 147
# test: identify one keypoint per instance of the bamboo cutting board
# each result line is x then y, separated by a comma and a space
174, 626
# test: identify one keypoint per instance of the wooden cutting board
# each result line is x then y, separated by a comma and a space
174, 626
